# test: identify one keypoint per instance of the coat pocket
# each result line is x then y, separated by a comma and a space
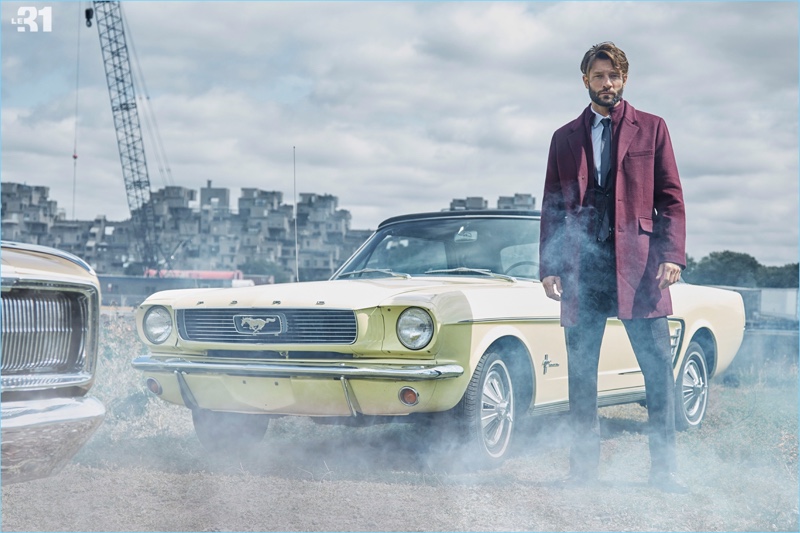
641, 153
646, 225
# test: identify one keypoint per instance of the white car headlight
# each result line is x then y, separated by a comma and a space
157, 324
415, 328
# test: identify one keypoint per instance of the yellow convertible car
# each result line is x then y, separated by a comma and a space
436, 315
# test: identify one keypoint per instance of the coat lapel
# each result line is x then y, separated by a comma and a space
627, 132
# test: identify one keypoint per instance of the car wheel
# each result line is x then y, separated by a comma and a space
488, 411
691, 388
228, 433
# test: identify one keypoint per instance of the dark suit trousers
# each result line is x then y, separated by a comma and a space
650, 341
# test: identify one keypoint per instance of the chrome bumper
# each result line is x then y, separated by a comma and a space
41, 436
273, 370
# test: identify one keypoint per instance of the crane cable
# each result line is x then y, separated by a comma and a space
151, 124
77, 93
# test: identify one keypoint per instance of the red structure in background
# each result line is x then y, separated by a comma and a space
194, 274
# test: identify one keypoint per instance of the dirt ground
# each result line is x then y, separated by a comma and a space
306, 477
144, 469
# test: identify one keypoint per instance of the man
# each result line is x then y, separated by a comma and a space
612, 242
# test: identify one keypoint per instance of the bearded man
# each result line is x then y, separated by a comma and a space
612, 242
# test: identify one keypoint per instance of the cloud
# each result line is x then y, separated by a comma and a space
402, 106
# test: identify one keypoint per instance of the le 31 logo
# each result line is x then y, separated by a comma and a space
27, 19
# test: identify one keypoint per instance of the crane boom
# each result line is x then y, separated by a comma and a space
116, 61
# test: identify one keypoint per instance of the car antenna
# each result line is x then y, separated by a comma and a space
296, 247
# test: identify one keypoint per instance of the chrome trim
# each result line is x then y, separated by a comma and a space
617, 398
400, 396
367, 371
49, 251
550, 408
676, 344
298, 326
7, 283
606, 400
22, 351
348, 399
547, 363
41, 436
509, 319
186, 393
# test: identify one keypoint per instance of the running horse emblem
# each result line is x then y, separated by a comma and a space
256, 324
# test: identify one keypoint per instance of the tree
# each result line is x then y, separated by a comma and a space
779, 276
691, 264
739, 270
725, 268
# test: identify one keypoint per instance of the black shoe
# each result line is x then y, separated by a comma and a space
667, 482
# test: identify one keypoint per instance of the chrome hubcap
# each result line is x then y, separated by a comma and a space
694, 390
497, 409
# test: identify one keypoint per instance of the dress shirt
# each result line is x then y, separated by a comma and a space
597, 140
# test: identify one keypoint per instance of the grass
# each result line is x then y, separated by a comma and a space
742, 462
754, 422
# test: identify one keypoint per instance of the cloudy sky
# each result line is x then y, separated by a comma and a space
396, 107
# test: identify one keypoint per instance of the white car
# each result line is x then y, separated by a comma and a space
436, 314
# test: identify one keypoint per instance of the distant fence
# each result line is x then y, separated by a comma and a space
769, 308
771, 327
781, 303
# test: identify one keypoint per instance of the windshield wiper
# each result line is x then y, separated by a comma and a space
468, 270
377, 270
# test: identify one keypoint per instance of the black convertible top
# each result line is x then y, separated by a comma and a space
463, 213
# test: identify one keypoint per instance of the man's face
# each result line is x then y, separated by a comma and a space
605, 83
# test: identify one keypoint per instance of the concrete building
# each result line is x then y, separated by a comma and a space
28, 213
259, 235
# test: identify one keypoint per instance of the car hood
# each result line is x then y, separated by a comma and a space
339, 294
28, 262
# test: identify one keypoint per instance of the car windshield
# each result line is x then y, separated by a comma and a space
493, 246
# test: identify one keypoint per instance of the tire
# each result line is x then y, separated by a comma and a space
691, 389
488, 411
228, 433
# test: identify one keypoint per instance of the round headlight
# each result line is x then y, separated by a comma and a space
414, 328
157, 324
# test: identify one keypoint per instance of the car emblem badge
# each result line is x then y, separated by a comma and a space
258, 324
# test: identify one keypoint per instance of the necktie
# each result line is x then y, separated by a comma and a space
605, 158
604, 226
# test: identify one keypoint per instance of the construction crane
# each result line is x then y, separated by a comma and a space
121, 90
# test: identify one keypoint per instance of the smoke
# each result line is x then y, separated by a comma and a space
145, 470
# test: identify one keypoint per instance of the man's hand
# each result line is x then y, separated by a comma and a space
552, 287
668, 273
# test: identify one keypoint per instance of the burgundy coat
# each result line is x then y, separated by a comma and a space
649, 225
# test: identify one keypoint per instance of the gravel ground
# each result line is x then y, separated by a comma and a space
144, 470
307, 477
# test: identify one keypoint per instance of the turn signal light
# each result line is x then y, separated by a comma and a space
408, 396
154, 386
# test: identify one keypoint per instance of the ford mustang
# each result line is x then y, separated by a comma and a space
435, 315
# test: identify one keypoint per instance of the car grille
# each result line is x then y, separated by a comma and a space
48, 335
288, 326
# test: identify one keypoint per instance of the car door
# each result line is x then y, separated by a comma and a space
618, 368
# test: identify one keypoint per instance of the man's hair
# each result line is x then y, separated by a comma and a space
605, 50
